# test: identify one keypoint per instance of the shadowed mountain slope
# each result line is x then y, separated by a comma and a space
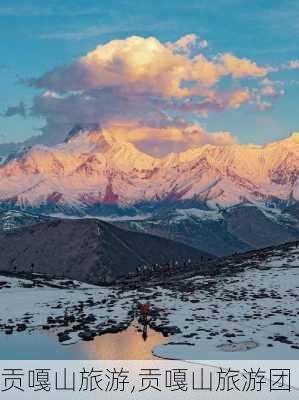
87, 250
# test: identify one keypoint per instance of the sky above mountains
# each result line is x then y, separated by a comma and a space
165, 75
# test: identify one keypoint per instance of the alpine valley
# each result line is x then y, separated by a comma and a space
219, 199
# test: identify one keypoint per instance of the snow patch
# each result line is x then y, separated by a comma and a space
204, 215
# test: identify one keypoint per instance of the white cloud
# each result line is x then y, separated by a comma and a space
146, 65
145, 81
159, 141
241, 67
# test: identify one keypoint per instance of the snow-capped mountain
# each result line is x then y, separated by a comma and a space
92, 168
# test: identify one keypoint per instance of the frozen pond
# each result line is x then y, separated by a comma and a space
126, 345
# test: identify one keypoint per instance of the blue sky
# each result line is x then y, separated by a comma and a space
38, 36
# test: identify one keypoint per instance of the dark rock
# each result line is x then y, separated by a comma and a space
21, 327
87, 335
229, 335
8, 330
63, 337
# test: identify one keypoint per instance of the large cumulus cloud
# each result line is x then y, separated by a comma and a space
143, 82
146, 66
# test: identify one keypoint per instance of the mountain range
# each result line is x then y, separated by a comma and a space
220, 199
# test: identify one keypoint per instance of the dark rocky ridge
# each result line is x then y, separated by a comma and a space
87, 250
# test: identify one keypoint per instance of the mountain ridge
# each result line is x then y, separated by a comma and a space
93, 167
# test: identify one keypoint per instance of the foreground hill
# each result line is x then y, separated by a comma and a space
87, 250
219, 232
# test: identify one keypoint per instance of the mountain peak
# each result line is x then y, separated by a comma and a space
118, 152
94, 134
80, 128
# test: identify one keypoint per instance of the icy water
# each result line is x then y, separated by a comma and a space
125, 345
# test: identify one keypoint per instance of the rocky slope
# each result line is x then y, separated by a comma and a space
240, 307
